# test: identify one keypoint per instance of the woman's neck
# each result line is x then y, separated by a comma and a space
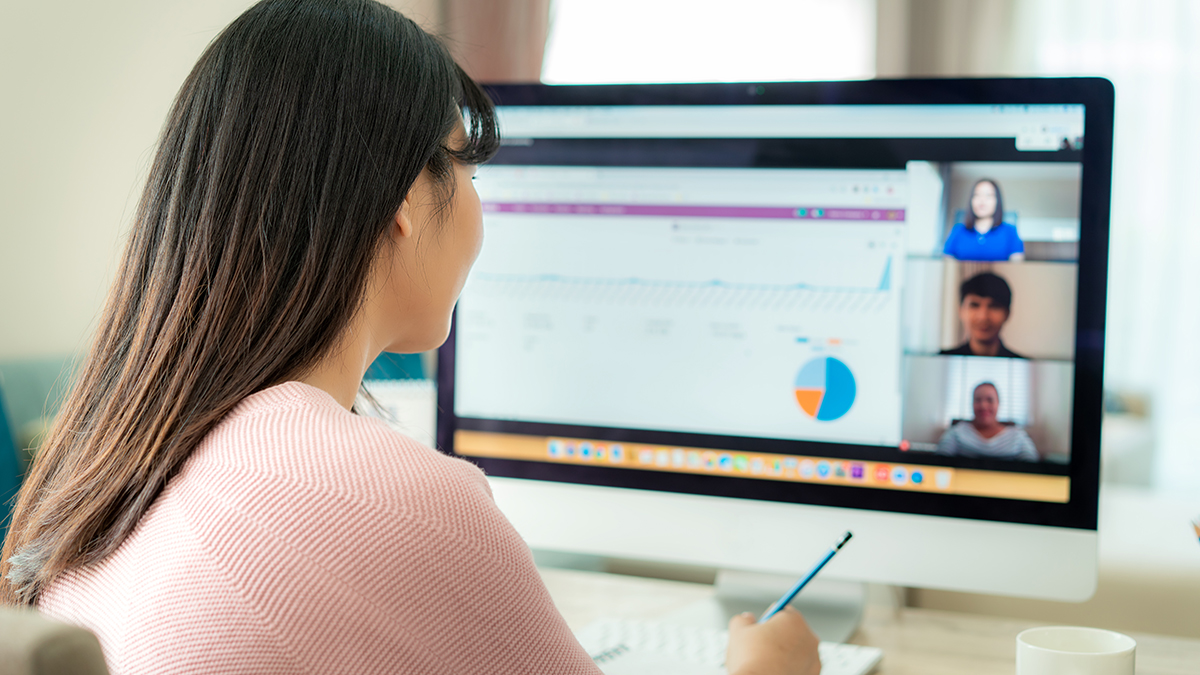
340, 373
983, 225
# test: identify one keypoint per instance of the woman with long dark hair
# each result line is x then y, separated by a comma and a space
207, 501
983, 234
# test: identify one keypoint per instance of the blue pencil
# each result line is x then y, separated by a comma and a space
787, 597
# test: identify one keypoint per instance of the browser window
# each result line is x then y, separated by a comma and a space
867, 296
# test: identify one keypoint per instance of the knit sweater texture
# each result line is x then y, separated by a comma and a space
300, 538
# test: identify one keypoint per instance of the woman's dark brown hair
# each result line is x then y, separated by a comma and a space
288, 151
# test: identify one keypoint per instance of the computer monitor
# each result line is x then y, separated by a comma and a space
719, 324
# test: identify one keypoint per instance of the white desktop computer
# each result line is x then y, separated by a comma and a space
721, 324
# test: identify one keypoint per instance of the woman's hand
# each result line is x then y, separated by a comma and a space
783, 645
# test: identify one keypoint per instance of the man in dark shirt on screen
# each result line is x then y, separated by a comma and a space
983, 308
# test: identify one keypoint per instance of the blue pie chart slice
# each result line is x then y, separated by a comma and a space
825, 389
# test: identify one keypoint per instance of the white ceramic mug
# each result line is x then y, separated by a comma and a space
1070, 650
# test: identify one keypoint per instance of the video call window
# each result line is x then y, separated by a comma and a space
989, 320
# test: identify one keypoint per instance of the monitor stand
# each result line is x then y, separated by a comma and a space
832, 608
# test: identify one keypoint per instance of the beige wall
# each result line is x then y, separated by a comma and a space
85, 87
940, 38
89, 84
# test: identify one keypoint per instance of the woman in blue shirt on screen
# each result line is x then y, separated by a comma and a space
983, 234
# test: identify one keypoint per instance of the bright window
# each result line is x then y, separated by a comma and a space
612, 41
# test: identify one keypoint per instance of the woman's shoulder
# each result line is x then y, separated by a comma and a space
291, 465
1015, 434
298, 532
1009, 229
964, 432
948, 443
957, 231
297, 438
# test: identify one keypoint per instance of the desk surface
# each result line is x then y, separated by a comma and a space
924, 641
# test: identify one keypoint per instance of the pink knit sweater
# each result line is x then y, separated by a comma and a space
300, 538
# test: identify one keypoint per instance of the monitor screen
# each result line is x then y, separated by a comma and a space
869, 304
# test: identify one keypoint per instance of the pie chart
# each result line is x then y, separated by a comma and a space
825, 389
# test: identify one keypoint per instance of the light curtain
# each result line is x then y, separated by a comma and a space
493, 40
1150, 51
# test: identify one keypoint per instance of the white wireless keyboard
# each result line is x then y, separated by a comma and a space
608, 641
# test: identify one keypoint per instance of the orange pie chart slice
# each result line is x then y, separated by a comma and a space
810, 400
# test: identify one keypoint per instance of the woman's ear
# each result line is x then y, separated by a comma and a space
404, 217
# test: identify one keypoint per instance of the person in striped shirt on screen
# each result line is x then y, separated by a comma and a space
985, 436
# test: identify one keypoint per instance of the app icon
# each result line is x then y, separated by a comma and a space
777, 468
741, 463
693, 460
568, 449
806, 468
899, 475
882, 471
823, 469
616, 454
678, 457
601, 452
710, 460
839, 469
662, 457
943, 480
790, 464
917, 477
756, 465
725, 462
645, 456
857, 471
556, 448
585, 450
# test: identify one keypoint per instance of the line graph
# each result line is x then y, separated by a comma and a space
714, 293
